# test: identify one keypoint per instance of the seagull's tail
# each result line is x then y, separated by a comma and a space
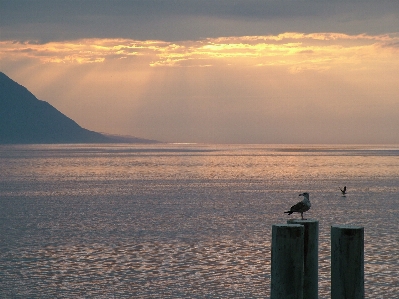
289, 212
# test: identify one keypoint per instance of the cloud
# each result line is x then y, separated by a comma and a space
172, 20
26, 10
78, 51
296, 50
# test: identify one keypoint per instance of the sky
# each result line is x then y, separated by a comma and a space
212, 71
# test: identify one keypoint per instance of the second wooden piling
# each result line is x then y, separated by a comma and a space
347, 262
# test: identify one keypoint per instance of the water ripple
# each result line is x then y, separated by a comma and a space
117, 222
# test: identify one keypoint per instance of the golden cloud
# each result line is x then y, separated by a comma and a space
296, 50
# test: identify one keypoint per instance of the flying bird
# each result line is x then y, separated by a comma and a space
301, 206
343, 190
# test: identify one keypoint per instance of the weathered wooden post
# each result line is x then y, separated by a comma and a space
311, 257
347, 262
287, 261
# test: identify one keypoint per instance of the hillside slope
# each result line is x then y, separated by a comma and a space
25, 119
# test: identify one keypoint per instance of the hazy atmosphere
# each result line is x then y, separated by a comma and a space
245, 71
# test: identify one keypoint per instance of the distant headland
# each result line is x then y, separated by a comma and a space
26, 120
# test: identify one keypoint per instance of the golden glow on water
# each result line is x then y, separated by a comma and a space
184, 220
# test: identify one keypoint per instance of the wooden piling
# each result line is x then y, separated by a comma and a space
287, 265
311, 259
347, 262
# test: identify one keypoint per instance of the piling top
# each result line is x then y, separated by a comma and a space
347, 226
287, 225
288, 230
299, 221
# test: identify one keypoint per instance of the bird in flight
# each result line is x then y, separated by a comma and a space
343, 190
301, 206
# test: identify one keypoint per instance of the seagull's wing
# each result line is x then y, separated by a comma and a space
299, 207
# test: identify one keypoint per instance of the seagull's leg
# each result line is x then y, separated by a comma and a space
302, 215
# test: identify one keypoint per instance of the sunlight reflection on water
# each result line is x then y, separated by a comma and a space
183, 221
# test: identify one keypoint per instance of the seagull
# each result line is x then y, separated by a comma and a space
343, 190
301, 206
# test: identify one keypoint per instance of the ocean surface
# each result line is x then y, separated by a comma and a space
184, 220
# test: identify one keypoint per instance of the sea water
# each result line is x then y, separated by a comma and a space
184, 221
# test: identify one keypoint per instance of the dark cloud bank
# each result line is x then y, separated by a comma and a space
46, 20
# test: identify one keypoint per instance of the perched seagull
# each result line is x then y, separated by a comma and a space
301, 206
343, 190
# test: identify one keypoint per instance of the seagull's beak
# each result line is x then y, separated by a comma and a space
301, 194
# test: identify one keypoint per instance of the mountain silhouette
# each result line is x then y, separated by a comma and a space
26, 120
